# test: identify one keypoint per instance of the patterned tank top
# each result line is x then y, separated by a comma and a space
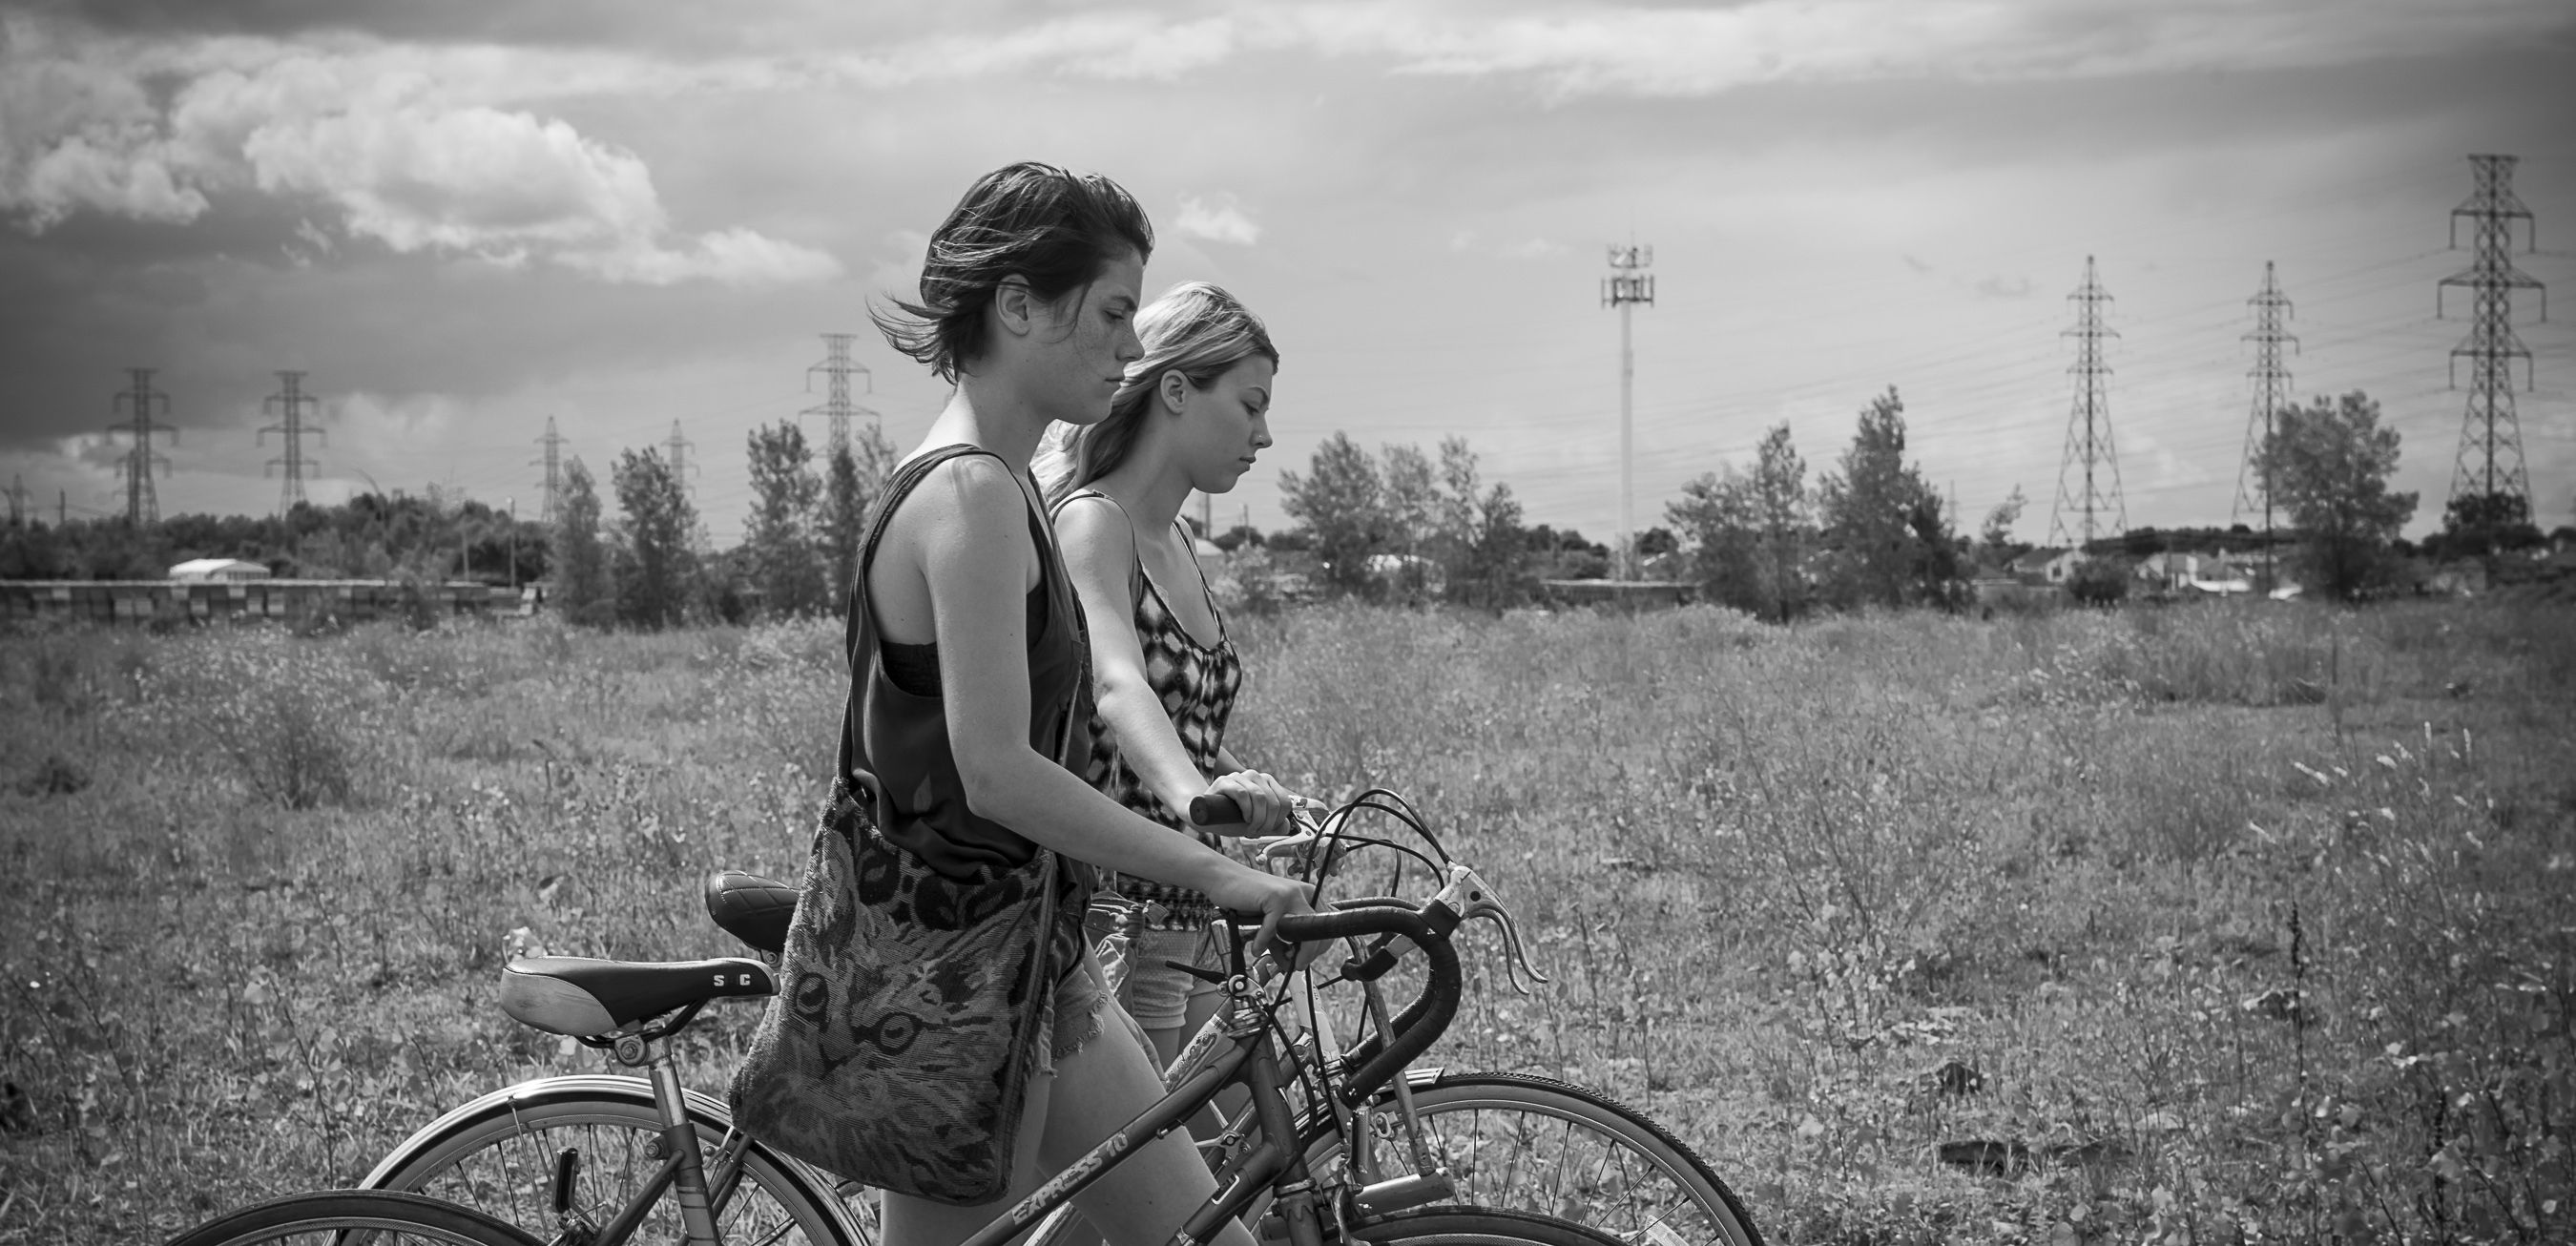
1197, 685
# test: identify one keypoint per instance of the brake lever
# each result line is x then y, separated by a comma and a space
1470, 896
1296, 847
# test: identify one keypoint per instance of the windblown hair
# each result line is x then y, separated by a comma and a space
1053, 229
1195, 329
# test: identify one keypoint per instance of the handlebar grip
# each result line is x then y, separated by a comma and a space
1345, 923
1422, 1022
1419, 1027
1214, 809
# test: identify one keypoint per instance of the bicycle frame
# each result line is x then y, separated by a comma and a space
685, 1166
1278, 1164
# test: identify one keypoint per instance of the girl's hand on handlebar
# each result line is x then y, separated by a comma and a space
1267, 807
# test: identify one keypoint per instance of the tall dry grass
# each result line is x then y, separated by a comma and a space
2225, 924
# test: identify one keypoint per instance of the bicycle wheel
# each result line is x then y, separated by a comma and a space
1479, 1226
354, 1218
497, 1155
1541, 1145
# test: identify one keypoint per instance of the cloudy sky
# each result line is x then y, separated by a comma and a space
462, 219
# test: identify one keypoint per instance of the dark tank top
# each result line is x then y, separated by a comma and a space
894, 729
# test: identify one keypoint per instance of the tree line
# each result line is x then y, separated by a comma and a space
1398, 524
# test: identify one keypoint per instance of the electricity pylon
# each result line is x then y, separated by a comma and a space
2088, 429
675, 451
836, 368
2271, 393
553, 442
291, 429
2489, 476
141, 506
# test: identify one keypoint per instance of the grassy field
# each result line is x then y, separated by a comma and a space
2237, 923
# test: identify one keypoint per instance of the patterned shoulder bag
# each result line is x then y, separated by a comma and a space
899, 1053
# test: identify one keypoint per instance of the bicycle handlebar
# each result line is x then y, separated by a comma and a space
1214, 809
1424, 1020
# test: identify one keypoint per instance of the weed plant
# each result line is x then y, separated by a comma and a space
2236, 923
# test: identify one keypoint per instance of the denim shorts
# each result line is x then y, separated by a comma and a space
1155, 994
1083, 1011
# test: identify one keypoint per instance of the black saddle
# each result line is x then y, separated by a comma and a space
585, 998
753, 909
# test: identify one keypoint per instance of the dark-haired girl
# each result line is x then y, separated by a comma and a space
1028, 301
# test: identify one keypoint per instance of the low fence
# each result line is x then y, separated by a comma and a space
180, 602
1619, 594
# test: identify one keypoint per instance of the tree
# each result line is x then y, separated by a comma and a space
1340, 501
854, 474
1480, 539
1715, 513
581, 585
1892, 544
657, 560
2328, 464
2481, 525
782, 555
1410, 505
1777, 497
1408, 498
1994, 540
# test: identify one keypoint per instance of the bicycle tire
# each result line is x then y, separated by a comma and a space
350, 1217
1526, 1143
497, 1155
1479, 1226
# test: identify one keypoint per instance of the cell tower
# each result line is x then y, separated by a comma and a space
675, 451
17, 501
2271, 393
553, 442
2489, 476
2088, 431
1628, 285
836, 369
293, 400
141, 507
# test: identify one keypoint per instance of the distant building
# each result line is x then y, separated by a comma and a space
2175, 571
2049, 566
218, 570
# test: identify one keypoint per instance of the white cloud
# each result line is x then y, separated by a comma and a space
1670, 51
1576, 50
1219, 220
1531, 249
400, 160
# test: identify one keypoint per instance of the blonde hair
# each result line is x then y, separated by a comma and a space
1195, 329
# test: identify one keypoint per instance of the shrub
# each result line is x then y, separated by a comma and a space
293, 718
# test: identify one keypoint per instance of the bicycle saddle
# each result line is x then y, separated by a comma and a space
751, 908
586, 998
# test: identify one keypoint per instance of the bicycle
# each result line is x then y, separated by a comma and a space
351, 1217
1504, 1140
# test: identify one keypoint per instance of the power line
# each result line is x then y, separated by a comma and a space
2088, 425
141, 506
291, 430
2490, 467
1628, 285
